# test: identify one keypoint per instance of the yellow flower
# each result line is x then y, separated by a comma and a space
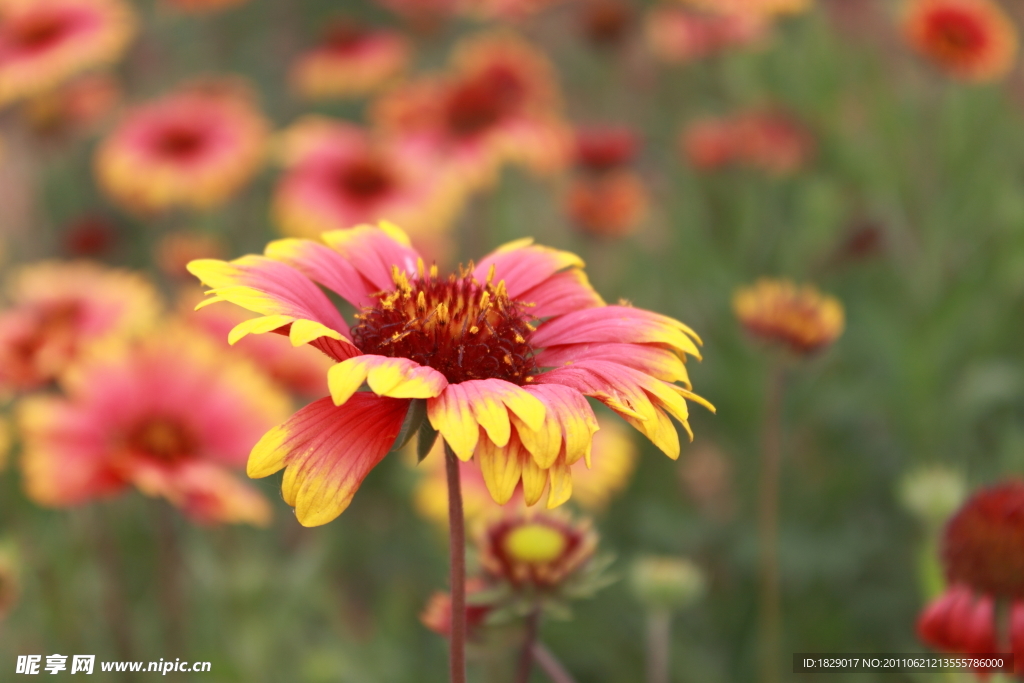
800, 318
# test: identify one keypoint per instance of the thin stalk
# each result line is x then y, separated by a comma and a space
550, 665
169, 579
457, 555
529, 638
659, 646
768, 525
114, 609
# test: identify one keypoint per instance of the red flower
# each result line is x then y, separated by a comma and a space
970, 39
983, 555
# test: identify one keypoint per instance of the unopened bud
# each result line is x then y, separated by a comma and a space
932, 494
667, 583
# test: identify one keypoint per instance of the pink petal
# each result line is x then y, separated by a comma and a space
327, 451
324, 266
523, 266
561, 293
649, 359
617, 324
374, 252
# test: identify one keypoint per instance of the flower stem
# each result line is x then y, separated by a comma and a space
529, 638
169, 557
768, 524
457, 555
659, 645
550, 665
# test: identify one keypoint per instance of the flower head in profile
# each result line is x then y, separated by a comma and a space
970, 39
536, 550
676, 35
609, 205
191, 148
437, 614
798, 318
337, 175
983, 557
45, 42
612, 461
60, 309
500, 356
767, 140
171, 413
499, 104
351, 61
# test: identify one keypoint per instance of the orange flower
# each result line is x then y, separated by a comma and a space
499, 105
969, 39
676, 35
802, 319
351, 62
764, 139
192, 148
171, 414
500, 358
606, 22
79, 105
58, 310
338, 176
45, 42
608, 205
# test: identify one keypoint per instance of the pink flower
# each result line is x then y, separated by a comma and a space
170, 413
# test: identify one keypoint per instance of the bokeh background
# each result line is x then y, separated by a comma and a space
888, 182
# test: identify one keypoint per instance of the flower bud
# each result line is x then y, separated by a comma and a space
932, 494
666, 583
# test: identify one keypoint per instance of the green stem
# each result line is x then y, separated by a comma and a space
550, 665
529, 638
768, 525
457, 558
659, 646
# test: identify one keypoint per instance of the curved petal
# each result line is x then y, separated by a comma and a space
649, 359
569, 427
325, 266
563, 292
327, 451
280, 293
374, 252
637, 397
501, 467
617, 324
394, 377
463, 408
524, 265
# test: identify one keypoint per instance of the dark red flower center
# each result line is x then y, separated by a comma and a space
955, 33
38, 31
605, 22
480, 103
535, 551
344, 36
606, 147
180, 142
462, 328
983, 546
163, 439
365, 180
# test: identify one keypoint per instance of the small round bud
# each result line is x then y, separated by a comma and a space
666, 582
932, 494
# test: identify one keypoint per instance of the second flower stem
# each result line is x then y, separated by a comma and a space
529, 638
457, 558
768, 524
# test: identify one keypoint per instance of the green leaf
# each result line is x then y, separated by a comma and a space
428, 435
413, 419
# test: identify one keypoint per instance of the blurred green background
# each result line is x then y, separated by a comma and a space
929, 369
